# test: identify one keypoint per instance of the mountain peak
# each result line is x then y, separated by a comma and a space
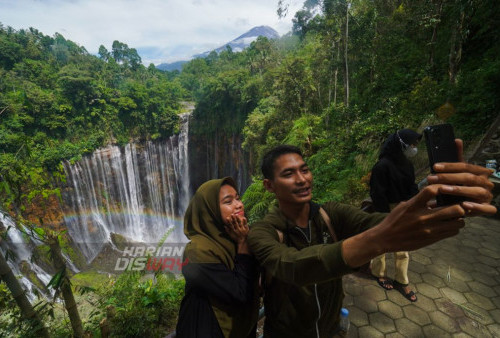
244, 40
237, 45
257, 31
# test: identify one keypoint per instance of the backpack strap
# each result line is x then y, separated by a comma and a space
328, 222
280, 235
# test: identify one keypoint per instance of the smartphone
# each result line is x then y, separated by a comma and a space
441, 147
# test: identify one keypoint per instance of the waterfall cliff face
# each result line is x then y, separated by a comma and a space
139, 191
216, 156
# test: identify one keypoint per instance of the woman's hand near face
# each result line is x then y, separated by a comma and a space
237, 229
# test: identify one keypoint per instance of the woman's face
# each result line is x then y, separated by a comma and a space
230, 203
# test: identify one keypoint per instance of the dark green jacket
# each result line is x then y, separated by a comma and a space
303, 291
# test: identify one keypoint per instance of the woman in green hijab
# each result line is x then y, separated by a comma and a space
221, 275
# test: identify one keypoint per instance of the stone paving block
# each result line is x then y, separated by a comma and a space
360, 278
433, 280
477, 314
440, 270
453, 241
394, 335
348, 300
351, 287
414, 277
461, 335
453, 295
447, 256
492, 262
368, 331
381, 322
482, 289
488, 244
496, 301
471, 244
444, 321
446, 306
357, 316
427, 251
392, 310
353, 332
473, 328
428, 290
463, 263
416, 315
460, 274
408, 328
481, 301
447, 246
374, 292
481, 268
494, 330
397, 298
495, 314
366, 304
485, 278
457, 285
418, 257
425, 303
434, 331
489, 253
471, 252
417, 267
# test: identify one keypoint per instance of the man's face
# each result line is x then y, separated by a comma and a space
292, 182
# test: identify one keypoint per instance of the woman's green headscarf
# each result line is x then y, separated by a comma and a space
209, 243
203, 225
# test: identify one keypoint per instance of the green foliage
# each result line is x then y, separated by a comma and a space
11, 322
144, 306
257, 201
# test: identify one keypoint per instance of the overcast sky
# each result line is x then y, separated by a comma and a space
160, 30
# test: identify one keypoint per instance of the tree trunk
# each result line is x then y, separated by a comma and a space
345, 53
456, 49
336, 76
27, 310
67, 293
434, 35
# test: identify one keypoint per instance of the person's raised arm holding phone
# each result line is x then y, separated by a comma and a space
420, 221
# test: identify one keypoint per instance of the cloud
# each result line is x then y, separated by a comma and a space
174, 29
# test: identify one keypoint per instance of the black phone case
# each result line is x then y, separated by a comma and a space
441, 147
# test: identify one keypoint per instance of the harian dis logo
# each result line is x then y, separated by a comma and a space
153, 259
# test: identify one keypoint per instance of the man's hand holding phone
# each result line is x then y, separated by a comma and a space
465, 180
419, 221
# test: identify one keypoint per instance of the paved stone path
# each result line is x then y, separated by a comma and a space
457, 282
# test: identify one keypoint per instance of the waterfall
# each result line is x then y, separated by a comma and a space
20, 262
140, 191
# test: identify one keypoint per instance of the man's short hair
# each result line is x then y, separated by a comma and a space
271, 156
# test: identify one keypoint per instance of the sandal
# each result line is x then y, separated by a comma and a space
400, 287
386, 284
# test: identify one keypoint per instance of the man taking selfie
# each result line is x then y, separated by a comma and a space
306, 248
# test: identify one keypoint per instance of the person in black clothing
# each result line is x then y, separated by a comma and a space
392, 181
221, 276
